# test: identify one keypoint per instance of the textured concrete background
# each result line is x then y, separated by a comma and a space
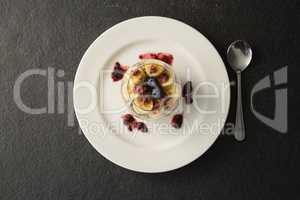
42, 157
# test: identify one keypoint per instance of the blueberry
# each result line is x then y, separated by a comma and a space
152, 82
157, 93
154, 88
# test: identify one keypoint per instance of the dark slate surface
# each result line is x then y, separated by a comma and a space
41, 157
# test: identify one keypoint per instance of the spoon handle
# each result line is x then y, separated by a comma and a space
239, 121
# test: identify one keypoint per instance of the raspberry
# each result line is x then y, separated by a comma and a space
148, 56
177, 120
165, 57
141, 126
128, 119
131, 123
120, 67
139, 89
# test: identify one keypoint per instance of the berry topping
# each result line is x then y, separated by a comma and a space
129, 127
157, 93
128, 119
148, 56
120, 67
187, 92
136, 72
187, 89
116, 76
142, 127
118, 72
176, 121
152, 82
132, 124
165, 57
139, 89
156, 90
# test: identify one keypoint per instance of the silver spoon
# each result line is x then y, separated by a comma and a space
239, 55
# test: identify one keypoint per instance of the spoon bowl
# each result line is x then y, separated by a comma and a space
239, 55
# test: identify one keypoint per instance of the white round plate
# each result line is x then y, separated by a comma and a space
99, 105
